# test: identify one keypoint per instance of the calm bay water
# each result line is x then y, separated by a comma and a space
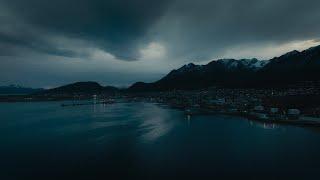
147, 141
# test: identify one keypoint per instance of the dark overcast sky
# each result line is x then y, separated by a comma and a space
45, 43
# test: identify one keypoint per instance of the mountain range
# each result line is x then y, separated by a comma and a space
290, 68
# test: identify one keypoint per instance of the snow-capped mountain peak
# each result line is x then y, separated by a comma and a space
244, 63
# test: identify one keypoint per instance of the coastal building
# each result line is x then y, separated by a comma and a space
274, 110
276, 114
259, 112
293, 114
259, 108
219, 101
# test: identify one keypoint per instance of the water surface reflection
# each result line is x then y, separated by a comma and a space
155, 122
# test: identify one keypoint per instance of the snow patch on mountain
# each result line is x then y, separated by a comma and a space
254, 63
232, 64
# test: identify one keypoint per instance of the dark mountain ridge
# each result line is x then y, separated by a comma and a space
292, 67
280, 71
87, 88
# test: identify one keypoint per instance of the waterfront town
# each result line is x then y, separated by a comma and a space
299, 104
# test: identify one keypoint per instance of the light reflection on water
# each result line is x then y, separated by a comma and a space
151, 120
263, 125
156, 122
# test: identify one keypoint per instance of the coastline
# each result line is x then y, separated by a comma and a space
302, 120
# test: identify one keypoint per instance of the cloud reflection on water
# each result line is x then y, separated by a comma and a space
156, 122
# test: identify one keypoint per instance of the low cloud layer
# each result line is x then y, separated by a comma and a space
47, 43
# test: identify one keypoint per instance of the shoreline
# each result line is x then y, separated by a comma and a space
304, 121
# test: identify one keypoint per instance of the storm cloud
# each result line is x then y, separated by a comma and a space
117, 26
143, 39
204, 28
